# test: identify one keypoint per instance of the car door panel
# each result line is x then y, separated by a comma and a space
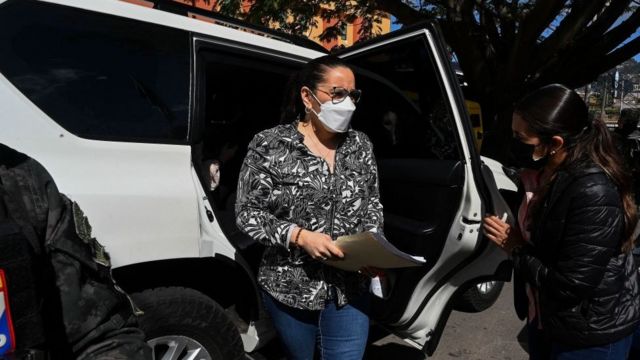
432, 187
419, 196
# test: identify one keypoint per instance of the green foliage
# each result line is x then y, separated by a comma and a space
299, 16
536, 41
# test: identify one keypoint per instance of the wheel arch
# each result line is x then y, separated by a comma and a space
219, 277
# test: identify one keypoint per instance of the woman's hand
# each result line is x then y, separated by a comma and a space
320, 246
502, 234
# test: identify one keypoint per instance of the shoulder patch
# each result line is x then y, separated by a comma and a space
100, 255
83, 228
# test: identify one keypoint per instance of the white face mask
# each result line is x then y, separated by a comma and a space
335, 117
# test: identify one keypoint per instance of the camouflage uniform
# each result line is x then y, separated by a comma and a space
85, 314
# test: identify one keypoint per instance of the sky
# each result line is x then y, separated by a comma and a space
635, 35
395, 26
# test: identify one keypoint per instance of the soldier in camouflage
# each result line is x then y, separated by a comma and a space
80, 312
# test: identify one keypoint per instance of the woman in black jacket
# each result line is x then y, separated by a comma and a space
573, 245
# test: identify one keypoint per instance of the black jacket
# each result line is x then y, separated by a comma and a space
589, 290
85, 315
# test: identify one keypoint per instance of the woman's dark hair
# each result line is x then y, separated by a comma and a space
310, 75
555, 110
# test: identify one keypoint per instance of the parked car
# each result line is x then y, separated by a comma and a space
123, 104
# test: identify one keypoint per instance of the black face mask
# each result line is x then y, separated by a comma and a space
523, 155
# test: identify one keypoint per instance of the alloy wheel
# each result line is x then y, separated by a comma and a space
485, 287
176, 347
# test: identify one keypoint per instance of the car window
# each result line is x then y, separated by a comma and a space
404, 108
240, 95
98, 76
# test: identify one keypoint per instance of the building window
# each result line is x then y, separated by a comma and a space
343, 31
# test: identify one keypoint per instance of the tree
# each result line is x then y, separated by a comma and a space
505, 48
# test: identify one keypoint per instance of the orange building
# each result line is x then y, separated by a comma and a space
351, 33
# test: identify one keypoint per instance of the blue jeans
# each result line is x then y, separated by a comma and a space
618, 350
340, 332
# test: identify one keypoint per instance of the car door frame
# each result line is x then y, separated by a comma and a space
422, 326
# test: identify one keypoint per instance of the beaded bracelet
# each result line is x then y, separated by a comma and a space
295, 240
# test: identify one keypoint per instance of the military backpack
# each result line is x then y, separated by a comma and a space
22, 322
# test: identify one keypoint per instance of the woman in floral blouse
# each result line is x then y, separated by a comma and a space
301, 186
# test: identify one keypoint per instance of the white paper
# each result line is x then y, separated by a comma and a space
371, 249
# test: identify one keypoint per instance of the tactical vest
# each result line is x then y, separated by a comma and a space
20, 251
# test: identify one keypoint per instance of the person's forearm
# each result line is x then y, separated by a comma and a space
264, 227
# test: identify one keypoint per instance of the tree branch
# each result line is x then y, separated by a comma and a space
538, 19
568, 60
580, 74
488, 21
617, 35
470, 57
403, 12
618, 56
470, 42
507, 22
607, 18
466, 11
524, 45
580, 15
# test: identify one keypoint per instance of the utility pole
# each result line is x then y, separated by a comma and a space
603, 98
621, 92
586, 93
616, 83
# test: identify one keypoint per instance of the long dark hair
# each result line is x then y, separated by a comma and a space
555, 110
310, 75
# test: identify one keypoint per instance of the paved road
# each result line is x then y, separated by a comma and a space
490, 335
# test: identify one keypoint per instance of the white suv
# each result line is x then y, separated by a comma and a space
125, 104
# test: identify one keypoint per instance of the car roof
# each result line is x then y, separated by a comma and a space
265, 39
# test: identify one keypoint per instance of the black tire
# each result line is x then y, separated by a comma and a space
183, 312
474, 300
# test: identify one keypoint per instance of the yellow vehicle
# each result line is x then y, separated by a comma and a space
475, 115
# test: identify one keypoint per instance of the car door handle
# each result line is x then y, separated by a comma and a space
470, 222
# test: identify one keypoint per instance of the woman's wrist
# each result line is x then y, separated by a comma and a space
297, 233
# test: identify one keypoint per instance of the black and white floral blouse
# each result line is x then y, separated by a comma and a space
283, 184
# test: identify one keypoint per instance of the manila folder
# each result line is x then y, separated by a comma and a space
371, 249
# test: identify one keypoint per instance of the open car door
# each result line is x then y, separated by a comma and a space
434, 187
